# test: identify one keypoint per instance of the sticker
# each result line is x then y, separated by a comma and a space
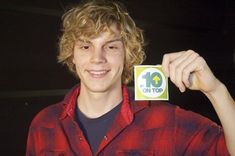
150, 83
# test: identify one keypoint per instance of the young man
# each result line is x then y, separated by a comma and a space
101, 44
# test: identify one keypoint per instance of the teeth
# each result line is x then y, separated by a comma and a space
98, 72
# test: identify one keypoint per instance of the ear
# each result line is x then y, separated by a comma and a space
73, 60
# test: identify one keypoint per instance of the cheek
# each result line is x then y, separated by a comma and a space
79, 60
118, 62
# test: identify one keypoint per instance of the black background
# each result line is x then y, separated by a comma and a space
29, 31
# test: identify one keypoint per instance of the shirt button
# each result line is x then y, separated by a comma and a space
80, 138
105, 137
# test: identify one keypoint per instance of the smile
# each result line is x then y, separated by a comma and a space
98, 73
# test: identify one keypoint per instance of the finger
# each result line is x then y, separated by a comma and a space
190, 57
167, 58
176, 68
192, 68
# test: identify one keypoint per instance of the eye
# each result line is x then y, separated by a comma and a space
112, 47
85, 47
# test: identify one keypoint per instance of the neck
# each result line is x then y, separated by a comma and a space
96, 104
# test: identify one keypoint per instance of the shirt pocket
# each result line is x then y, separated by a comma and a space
134, 153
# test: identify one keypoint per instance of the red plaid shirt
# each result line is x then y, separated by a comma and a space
141, 128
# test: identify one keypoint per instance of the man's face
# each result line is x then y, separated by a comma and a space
99, 62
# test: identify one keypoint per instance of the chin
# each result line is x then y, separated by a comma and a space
95, 87
99, 88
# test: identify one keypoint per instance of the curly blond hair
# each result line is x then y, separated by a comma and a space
87, 20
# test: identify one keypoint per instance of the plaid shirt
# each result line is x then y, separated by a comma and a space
141, 128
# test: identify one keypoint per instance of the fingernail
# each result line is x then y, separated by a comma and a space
182, 90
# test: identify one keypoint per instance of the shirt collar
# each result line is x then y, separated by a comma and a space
70, 102
128, 109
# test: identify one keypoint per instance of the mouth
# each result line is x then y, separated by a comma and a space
98, 73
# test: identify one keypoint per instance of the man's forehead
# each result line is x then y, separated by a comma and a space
108, 33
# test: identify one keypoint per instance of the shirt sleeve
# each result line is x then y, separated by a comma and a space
36, 140
30, 148
197, 135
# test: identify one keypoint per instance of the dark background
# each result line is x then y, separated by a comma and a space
31, 79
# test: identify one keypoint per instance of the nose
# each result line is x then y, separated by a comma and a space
98, 56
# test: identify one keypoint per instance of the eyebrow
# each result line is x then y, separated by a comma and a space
84, 41
114, 40
109, 41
